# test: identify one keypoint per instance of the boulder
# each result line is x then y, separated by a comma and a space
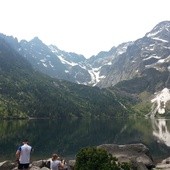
7, 165
44, 168
166, 161
35, 168
41, 163
137, 155
141, 166
71, 164
164, 165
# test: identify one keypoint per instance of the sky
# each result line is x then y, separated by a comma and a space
82, 26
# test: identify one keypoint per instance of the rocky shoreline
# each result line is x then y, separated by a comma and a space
137, 155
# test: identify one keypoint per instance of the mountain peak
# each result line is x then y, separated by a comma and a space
163, 26
36, 40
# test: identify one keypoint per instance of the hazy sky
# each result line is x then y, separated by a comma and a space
82, 26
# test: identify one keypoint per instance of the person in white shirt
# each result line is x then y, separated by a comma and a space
55, 163
23, 155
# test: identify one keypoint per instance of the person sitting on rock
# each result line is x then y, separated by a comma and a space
55, 163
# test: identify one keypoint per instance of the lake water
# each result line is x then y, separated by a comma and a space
67, 137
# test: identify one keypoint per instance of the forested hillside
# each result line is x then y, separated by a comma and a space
27, 93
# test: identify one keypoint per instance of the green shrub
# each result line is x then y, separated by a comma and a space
92, 158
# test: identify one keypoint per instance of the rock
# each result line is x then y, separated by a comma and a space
7, 165
141, 166
166, 161
44, 168
145, 160
35, 168
164, 165
47, 163
136, 154
71, 164
40, 163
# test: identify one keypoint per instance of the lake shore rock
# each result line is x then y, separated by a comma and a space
137, 155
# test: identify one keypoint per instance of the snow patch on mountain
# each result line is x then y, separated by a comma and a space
45, 65
95, 76
54, 49
159, 39
158, 62
152, 34
66, 62
166, 47
51, 64
152, 56
159, 102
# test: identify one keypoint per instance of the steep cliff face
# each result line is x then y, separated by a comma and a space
151, 51
145, 67
124, 62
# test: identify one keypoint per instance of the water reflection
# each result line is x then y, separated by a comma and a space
160, 131
66, 138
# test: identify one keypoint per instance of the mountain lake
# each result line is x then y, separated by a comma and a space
67, 137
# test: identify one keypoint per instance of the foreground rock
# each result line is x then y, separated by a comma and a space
7, 165
137, 155
164, 165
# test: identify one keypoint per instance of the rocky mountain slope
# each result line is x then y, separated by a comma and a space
124, 62
133, 67
25, 92
151, 51
146, 69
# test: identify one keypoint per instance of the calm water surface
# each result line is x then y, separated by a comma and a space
67, 137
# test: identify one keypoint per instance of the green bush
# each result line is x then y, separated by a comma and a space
92, 158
